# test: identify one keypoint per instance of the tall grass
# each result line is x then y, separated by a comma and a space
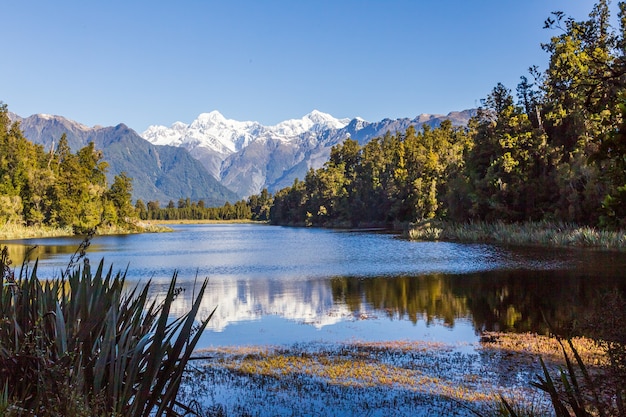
10, 231
78, 345
542, 233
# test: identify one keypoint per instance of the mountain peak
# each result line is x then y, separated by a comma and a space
51, 118
316, 114
322, 118
314, 121
213, 116
213, 131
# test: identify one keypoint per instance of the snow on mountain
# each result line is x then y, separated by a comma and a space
248, 156
161, 135
226, 136
210, 130
316, 121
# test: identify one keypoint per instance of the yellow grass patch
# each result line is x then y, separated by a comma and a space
547, 347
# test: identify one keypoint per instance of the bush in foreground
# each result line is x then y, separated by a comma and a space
79, 345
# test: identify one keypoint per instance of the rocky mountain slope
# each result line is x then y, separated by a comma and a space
218, 159
248, 156
160, 173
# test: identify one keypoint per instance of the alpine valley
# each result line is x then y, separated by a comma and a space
217, 159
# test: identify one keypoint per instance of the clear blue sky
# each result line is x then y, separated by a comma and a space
157, 62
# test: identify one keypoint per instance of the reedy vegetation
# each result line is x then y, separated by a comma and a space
82, 345
576, 391
542, 233
580, 387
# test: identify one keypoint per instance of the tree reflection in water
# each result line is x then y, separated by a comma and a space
514, 301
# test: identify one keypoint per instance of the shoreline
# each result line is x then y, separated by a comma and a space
532, 234
12, 232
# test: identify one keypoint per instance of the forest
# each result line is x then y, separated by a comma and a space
556, 150
58, 188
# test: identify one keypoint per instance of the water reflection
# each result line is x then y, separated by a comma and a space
426, 297
282, 285
520, 301
19, 252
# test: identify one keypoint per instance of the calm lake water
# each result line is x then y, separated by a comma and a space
278, 285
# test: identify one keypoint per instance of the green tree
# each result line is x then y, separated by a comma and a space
25, 175
260, 205
582, 90
507, 166
288, 207
120, 195
612, 158
141, 209
80, 187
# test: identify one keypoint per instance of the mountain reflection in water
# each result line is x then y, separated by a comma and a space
282, 285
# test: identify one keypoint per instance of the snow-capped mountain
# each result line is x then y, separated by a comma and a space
211, 138
209, 130
226, 136
248, 156
316, 121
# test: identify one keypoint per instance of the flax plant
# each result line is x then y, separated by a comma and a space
573, 393
576, 390
79, 345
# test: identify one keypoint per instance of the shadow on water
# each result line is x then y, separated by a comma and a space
19, 252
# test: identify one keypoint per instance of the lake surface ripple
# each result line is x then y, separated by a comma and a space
279, 285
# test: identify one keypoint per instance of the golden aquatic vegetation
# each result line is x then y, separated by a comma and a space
377, 374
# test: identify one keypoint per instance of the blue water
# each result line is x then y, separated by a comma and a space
279, 285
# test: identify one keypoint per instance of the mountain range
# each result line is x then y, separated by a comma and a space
159, 173
218, 159
248, 156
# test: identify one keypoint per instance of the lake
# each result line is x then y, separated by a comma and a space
279, 285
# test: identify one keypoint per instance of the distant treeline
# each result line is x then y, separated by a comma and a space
188, 210
255, 208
